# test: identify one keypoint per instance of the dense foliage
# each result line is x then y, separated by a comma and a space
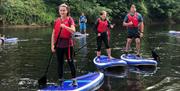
43, 12
26, 12
163, 9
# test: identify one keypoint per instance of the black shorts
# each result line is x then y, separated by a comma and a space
137, 35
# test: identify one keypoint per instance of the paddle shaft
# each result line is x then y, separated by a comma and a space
83, 46
51, 55
143, 39
151, 48
153, 52
87, 43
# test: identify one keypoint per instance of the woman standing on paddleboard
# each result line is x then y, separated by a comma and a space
102, 26
64, 27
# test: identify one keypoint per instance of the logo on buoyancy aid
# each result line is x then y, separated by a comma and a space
64, 32
133, 19
102, 25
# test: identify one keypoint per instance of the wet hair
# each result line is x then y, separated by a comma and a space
102, 12
67, 7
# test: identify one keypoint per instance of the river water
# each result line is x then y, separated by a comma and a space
22, 63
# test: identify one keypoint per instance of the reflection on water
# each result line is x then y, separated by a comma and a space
115, 71
82, 44
131, 78
172, 81
134, 82
23, 63
26, 83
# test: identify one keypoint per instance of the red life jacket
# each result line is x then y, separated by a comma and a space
102, 25
134, 19
64, 32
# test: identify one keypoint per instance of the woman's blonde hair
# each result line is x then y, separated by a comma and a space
102, 12
67, 7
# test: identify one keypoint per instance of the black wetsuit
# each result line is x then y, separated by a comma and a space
103, 37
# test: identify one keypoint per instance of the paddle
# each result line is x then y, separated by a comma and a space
43, 80
89, 42
153, 52
83, 46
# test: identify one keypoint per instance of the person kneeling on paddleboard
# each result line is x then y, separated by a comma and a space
64, 27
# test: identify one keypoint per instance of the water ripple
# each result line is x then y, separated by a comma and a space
164, 83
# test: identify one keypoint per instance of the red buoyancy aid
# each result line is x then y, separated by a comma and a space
134, 19
64, 32
102, 25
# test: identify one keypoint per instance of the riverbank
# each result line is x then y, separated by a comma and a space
24, 26
117, 22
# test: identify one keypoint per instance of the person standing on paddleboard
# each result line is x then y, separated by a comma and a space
135, 28
102, 26
82, 23
64, 27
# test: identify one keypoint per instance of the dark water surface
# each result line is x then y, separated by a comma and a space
24, 62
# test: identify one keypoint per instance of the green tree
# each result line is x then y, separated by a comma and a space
90, 7
162, 9
43, 12
26, 12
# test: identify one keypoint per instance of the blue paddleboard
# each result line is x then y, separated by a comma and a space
10, 40
134, 60
79, 35
176, 33
104, 62
88, 82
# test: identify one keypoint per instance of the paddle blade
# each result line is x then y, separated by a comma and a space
42, 81
155, 55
